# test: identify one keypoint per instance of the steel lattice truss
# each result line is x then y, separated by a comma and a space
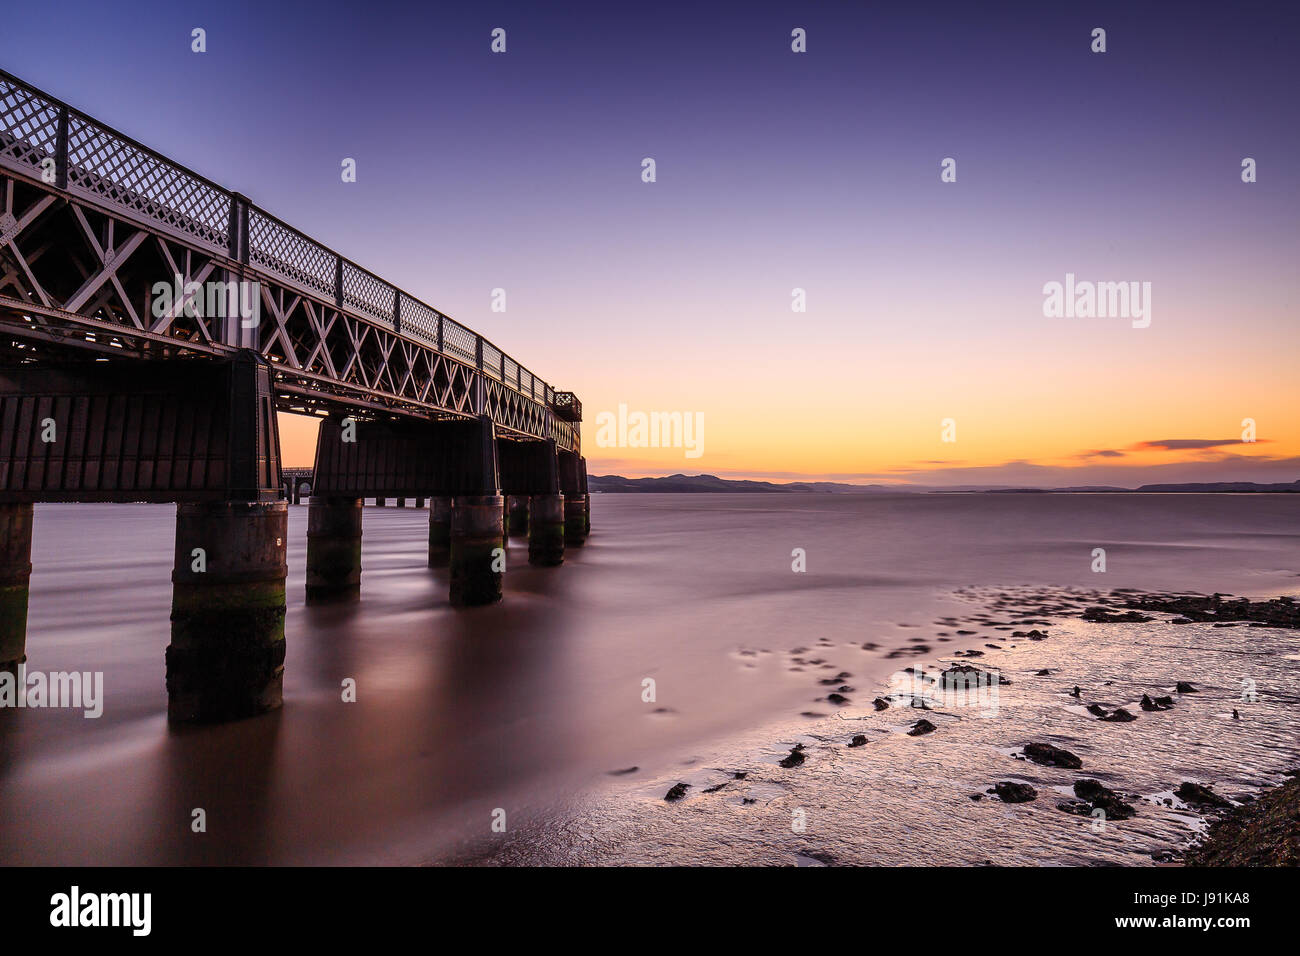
91, 222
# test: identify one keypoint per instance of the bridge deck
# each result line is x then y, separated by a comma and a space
93, 221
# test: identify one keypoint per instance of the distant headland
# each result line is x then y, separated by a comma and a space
697, 484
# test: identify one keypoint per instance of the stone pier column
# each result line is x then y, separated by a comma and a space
419, 502
15, 574
476, 568
401, 502
439, 531
575, 520
586, 493
546, 530
333, 549
517, 523
226, 658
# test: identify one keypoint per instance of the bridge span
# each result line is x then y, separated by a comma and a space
152, 323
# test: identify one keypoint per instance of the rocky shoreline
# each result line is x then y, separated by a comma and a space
1263, 832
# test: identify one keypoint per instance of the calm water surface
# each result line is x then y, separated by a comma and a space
528, 706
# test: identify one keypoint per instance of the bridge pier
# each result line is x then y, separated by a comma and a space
475, 537
517, 520
572, 470
226, 657
440, 511
478, 523
15, 575
333, 549
546, 530
575, 521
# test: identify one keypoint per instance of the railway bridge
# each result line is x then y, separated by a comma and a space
152, 324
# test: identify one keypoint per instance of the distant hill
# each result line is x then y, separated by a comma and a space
701, 484
1225, 486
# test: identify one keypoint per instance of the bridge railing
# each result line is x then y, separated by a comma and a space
72, 151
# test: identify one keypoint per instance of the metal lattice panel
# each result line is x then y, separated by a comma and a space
289, 254
29, 125
492, 361
418, 320
367, 293
115, 171
458, 340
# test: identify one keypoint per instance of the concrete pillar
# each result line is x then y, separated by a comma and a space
379, 502
419, 502
517, 522
401, 502
587, 508
439, 531
476, 564
15, 574
546, 530
333, 549
575, 520
226, 658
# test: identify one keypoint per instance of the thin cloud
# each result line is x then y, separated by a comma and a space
1100, 453
1179, 444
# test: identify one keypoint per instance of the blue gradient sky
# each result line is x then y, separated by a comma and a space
778, 170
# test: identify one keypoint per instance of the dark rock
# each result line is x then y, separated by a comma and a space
677, 792
1165, 702
922, 726
859, 740
794, 758
837, 699
741, 774
1043, 673
715, 789
1096, 710
1198, 795
1120, 716
1050, 756
1279, 612
977, 796
880, 703
625, 770
1103, 798
1015, 792
1185, 688
1100, 615
1160, 703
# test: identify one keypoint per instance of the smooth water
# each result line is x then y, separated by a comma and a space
528, 707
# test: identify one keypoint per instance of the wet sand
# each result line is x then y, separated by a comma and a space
899, 799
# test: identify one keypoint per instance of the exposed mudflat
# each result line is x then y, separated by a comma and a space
931, 798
